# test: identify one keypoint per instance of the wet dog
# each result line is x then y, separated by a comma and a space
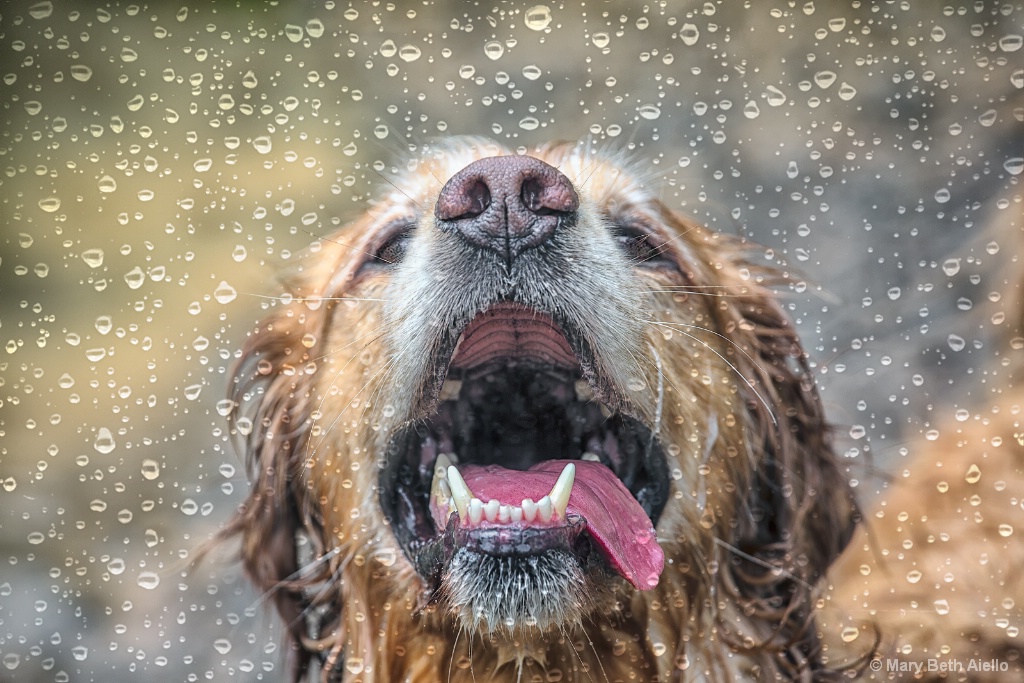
522, 421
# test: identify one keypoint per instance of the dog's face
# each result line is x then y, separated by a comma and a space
520, 393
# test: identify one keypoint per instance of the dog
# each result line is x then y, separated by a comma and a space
523, 421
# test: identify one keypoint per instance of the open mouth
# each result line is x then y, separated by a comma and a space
519, 459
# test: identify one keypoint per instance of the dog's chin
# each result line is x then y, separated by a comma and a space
521, 500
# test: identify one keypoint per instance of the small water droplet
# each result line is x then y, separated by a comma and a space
938, 34
494, 50
1011, 42
529, 123
104, 442
10, 484
1005, 530
222, 645
148, 580
847, 92
1014, 166
93, 257
531, 72
80, 652
689, 34
751, 110
81, 72
116, 566
224, 293
649, 112
50, 204
956, 342
262, 144
849, 634
941, 607
775, 96
150, 469
894, 293
135, 277
824, 79
409, 53
537, 18
41, 10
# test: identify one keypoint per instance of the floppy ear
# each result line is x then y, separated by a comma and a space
800, 511
273, 391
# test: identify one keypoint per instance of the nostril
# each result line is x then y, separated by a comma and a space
547, 196
479, 198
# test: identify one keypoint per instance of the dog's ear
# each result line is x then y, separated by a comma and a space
273, 395
800, 512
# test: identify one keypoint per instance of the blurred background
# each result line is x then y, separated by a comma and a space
161, 163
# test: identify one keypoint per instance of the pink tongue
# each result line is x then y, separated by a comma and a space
619, 526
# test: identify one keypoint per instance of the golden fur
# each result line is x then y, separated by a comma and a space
757, 509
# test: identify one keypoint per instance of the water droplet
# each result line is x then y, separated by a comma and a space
836, 25
775, 96
152, 538
249, 80
825, 79
224, 293
529, 123
262, 144
600, 39
104, 442
494, 50
1014, 166
1011, 42
40, 10
293, 32
409, 53
11, 660
956, 342
148, 580
973, 474
314, 28
751, 110
938, 34
50, 204
189, 507
894, 293
689, 34
81, 72
116, 566
222, 645
93, 257
792, 170
941, 607
951, 266
847, 92
135, 277
239, 253
942, 196
537, 18
150, 469
652, 580
1005, 530
531, 72
107, 184
80, 652
192, 391
849, 634
124, 516
649, 112
10, 484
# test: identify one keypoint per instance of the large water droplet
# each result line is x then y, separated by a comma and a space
93, 257
104, 442
148, 580
537, 17
224, 293
689, 34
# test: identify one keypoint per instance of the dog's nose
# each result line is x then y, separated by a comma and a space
507, 204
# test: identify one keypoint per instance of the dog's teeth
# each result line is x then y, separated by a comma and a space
516, 513
440, 491
476, 511
584, 393
460, 493
529, 509
441, 465
545, 509
450, 390
592, 457
559, 496
491, 510
504, 514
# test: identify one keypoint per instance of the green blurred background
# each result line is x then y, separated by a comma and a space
160, 163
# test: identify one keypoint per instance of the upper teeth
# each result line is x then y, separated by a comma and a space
449, 490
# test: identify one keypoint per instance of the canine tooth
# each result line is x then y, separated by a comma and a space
584, 393
450, 390
559, 495
504, 514
476, 510
441, 465
592, 457
491, 509
460, 492
516, 513
529, 509
545, 509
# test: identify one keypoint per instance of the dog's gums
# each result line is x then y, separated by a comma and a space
522, 421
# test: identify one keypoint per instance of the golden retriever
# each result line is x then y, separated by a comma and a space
521, 421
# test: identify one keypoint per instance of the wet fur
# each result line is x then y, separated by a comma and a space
758, 507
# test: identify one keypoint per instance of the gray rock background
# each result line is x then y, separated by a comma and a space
160, 163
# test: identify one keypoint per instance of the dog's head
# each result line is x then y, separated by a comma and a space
520, 391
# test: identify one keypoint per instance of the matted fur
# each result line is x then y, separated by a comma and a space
757, 510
